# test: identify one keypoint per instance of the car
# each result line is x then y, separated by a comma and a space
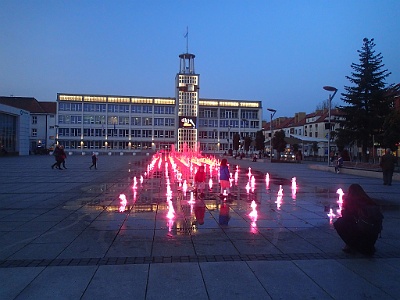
41, 150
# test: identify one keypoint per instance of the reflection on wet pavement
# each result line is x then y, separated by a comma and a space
160, 195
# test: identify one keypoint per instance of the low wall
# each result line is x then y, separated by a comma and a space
354, 171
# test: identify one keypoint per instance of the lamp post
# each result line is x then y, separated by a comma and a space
244, 133
273, 111
229, 130
334, 90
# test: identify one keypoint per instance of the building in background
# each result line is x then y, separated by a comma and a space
38, 132
132, 123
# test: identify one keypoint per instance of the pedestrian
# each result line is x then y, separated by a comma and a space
339, 164
388, 160
200, 180
63, 156
57, 157
94, 161
360, 223
224, 177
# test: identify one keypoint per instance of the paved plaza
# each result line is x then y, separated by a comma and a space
64, 234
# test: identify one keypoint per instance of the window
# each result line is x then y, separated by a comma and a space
136, 133
76, 106
34, 132
147, 121
76, 119
147, 133
169, 122
136, 121
159, 122
34, 119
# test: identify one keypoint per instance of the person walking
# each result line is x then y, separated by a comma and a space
63, 156
388, 160
360, 223
94, 161
57, 157
339, 164
224, 176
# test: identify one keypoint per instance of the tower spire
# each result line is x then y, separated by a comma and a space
186, 36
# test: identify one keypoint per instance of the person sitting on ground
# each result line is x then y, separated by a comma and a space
360, 223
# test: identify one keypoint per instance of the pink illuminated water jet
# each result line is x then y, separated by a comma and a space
123, 203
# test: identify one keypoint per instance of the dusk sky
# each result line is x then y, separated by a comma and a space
280, 52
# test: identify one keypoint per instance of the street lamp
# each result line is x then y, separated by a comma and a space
229, 146
244, 133
273, 111
334, 90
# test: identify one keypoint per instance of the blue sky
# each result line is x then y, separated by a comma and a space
279, 52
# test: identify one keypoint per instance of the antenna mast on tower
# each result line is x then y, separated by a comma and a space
187, 39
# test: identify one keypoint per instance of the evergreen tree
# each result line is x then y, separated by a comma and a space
260, 140
236, 141
368, 100
278, 142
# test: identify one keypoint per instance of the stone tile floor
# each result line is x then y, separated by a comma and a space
62, 235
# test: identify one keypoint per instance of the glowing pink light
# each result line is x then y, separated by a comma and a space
267, 180
184, 187
340, 201
210, 183
331, 215
134, 187
248, 187
253, 184
253, 214
280, 192
278, 202
236, 176
171, 211
294, 188
249, 173
134, 196
123, 202
191, 200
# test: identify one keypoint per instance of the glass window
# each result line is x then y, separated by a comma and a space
34, 119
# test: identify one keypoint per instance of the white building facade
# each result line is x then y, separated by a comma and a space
130, 123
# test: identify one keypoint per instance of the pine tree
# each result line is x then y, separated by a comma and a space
368, 101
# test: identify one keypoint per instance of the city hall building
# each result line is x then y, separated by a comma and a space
114, 123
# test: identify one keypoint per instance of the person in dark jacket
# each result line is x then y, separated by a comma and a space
58, 157
387, 164
356, 230
94, 161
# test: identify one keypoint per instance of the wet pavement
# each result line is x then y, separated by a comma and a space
68, 234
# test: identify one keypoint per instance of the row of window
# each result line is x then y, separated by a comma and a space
228, 123
133, 133
116, 120
116, 108
148, 121
109, 145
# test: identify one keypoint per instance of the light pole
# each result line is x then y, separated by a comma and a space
244, 134
273, 111
334, 90
229, 148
